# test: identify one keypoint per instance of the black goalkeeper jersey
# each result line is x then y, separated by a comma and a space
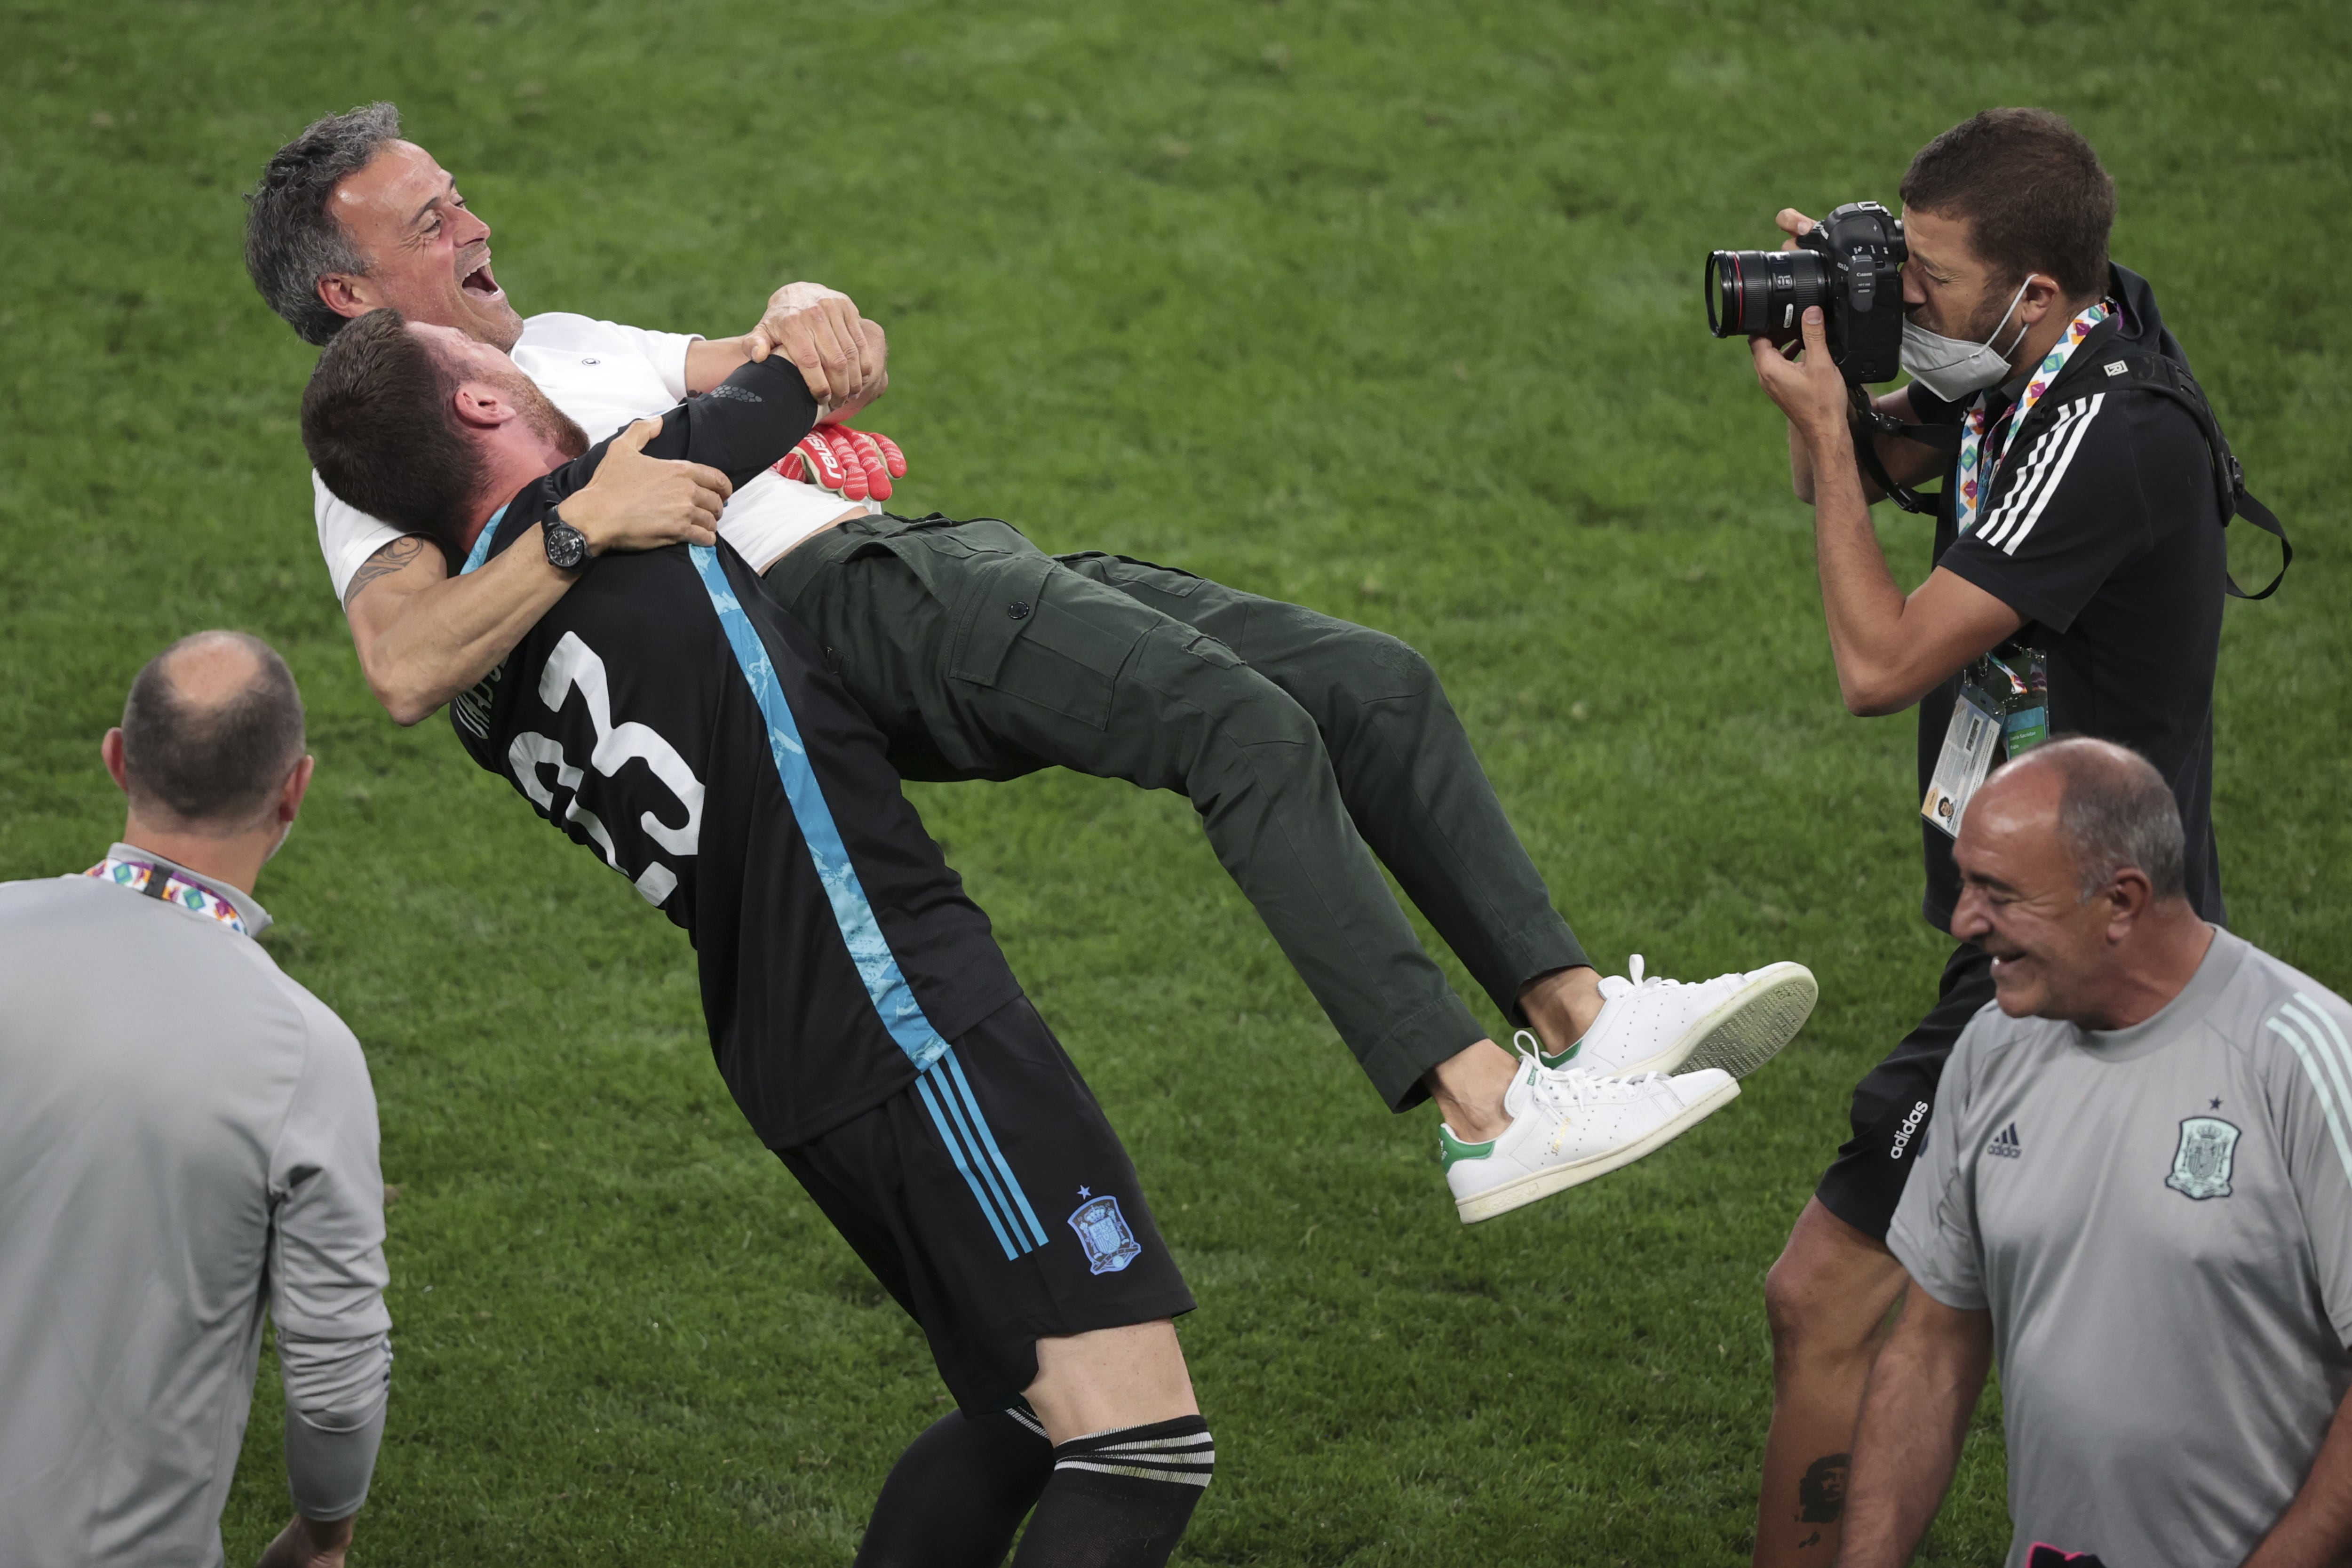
667, 714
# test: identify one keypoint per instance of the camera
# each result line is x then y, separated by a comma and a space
1850, 264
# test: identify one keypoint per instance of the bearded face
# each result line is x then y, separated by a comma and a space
544, 418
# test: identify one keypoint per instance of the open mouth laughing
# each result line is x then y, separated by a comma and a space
479, 281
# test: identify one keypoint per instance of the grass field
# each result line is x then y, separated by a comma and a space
1389, 308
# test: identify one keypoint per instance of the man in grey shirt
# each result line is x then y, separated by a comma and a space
2136, 1192
185, 1134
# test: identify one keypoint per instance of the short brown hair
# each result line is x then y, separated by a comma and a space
211, 765
377, 421
2034, 194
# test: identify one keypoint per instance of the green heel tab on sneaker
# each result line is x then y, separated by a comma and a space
1554, 1062
1454, 1148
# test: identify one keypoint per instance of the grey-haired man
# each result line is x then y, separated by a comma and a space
186, 1135
2136, 1190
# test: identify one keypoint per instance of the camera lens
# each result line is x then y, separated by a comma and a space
1750, 292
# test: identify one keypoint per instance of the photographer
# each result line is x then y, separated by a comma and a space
2078, 580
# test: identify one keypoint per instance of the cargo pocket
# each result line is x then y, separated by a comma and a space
1050, 637
997, 611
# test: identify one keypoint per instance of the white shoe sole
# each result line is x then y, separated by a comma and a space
1538, 1185
1747, 1031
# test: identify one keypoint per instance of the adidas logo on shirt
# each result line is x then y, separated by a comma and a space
2005, 1144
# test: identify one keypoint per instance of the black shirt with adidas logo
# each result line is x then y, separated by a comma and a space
2103, 530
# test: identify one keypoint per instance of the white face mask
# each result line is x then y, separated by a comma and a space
1953, 368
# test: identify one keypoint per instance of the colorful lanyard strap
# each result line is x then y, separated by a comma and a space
171, 888
1973, 480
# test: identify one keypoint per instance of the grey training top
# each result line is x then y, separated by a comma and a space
182, 1128
2159, 1220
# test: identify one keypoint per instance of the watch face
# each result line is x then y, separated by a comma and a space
566, 546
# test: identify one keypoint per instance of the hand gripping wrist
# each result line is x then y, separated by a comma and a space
587, 511
567, 548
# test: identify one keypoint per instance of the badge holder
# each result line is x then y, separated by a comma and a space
2003, 701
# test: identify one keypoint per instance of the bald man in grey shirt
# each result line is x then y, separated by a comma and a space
2135, 1192
187, 1136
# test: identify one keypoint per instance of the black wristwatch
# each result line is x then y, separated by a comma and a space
567, 547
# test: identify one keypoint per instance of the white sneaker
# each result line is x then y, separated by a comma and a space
1736, 1022
1568, 1127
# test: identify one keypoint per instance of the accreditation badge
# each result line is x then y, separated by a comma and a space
1970, 742
2004, 708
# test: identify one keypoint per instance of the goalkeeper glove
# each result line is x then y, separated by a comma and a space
851, 464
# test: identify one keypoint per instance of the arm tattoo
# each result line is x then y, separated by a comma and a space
393, 557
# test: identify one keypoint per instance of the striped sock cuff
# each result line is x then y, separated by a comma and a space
1179, 1452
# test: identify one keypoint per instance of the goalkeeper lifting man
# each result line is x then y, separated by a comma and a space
594, 618
1315, 750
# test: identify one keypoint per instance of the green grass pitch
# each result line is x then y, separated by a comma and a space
1389, 308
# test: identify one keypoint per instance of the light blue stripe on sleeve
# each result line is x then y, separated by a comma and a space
894, 999
953, 1110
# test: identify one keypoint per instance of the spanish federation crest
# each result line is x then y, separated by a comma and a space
2200, 1166
1102, 1231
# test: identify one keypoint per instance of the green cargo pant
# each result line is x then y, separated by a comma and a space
1307, 744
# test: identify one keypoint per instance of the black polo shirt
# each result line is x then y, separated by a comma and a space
667, 715
2101, 528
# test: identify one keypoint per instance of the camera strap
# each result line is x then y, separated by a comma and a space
2168, 377
1871, 424
2153, 373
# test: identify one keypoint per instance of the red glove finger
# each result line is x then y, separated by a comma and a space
870, 458
848, 461
823, 468
891, 455
845, 455
791, 467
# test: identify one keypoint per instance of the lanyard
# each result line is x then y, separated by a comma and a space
171, 888
1975, 481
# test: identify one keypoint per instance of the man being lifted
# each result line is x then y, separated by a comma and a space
1314, 750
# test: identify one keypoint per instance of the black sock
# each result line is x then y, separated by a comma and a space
1120, 1500
958, 1493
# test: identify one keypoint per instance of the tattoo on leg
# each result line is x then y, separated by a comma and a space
1820, 1495
393, 557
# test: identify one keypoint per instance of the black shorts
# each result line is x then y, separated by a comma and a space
1895, 1099
993, 1201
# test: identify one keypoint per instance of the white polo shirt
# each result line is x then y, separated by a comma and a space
605, 375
